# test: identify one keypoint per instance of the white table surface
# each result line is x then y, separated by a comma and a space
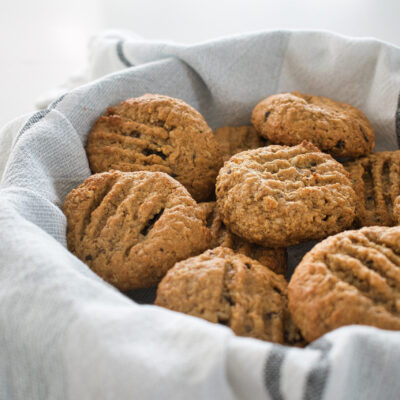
44, 41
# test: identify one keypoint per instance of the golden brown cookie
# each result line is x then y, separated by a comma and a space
337, 128
396, 210
131, 227
278, 196
292, 334
376, 181
234, 139
350, 278
157, 133
273, 258
232, 289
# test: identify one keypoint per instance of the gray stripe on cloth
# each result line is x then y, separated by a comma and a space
32, 121
318, 375
398, 122
35, 118
121, 55
273, 371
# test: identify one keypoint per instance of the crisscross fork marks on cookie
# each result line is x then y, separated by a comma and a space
377, 258
389, 248
348, 267
350, 278
376, 180
91, 200
157, 133
108, 206
131, 137
140, 224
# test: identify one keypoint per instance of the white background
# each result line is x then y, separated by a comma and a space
43, 42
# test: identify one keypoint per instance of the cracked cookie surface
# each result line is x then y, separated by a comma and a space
273, 258
376, 181
232, 289
131, 227
234, 139
349, 278
157, 133
337, 128
278, 196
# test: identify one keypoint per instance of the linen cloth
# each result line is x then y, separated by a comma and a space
66, 334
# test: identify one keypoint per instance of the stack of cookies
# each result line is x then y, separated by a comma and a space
207, 216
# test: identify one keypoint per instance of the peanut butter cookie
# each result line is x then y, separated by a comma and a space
230, 289
396, 210
349, 278
277, 196
337, 128
376, 181
157, 133
234, 139
131, 227
273, 258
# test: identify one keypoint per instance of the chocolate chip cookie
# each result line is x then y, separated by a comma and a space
273, 258
350, 278
157, 133
337, 128
376, 181
231, 289
234, 139
277, 196
131, 227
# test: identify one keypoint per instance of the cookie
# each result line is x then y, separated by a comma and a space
376, 181
273, 258
131, 227
292, 334
337, 128
231, 289
234, 139
157, 133
350, 278
278, 196
396, 210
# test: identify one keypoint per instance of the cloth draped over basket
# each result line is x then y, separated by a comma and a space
66, 334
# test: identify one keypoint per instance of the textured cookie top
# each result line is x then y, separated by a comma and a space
350, 278
337, 128
376, 181
130, 228
278, 196
273, 258
396, 210
157, 133
234, 139
228, 288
